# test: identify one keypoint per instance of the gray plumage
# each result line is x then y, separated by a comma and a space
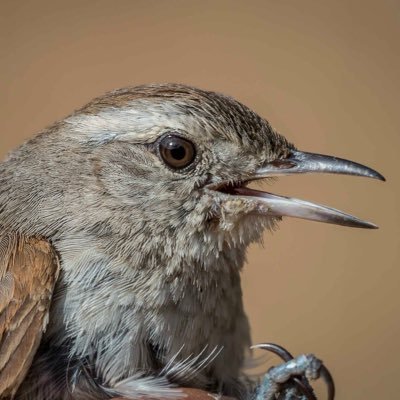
149, 293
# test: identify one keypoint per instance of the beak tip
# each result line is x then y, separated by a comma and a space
377, 175
370, 225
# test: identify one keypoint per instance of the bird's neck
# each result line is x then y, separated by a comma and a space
178, 304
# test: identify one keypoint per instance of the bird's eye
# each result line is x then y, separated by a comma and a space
176, 151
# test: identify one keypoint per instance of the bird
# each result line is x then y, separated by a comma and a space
123, 232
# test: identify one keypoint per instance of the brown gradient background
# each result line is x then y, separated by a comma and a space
326, 75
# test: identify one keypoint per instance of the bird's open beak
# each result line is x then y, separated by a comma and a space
299, 163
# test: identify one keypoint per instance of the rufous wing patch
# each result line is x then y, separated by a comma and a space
29, 269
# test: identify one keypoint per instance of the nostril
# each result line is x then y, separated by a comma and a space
283, 163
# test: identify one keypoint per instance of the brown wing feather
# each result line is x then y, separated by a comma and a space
28, 271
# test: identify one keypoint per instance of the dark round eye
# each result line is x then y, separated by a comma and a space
176, 151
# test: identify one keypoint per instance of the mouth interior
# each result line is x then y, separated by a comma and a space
231, 187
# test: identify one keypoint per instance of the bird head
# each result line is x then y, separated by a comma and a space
171, 161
